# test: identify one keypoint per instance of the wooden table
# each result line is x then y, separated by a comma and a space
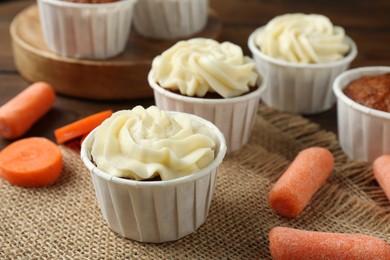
367, 22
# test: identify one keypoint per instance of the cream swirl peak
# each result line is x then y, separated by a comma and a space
143, 143
199, 65
302, 38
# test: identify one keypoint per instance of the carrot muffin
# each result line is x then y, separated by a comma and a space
86, 29
363, 118
141, 144
200, 66
371, 91
213, 80
133, 146
300, 55
303, 38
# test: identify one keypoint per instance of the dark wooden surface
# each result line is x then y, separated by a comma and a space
366, 21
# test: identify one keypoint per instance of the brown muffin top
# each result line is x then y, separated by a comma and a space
371, 91
92, 1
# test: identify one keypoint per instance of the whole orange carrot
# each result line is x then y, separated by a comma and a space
306, 174
381, 168
80, 127
291, 244
31, 162
22, 111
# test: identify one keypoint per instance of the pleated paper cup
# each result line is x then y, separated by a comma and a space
233, 116
170, 19
299, 88
156, 211
363, 132
86, 31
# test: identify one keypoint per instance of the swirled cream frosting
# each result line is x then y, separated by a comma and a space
141, 144
199, 65
302, 38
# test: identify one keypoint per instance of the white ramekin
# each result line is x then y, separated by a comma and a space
363, 132
299, 88
156, 211
233, 116
86, 31
170, 19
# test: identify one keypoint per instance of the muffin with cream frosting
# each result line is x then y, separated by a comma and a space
86, 29
144, 144
127, 153
210, 79
301, 54
362, 112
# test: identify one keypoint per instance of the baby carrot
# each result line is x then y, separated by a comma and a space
31, 162
289, 243
80, 127
22, 111
305, 175
381, 168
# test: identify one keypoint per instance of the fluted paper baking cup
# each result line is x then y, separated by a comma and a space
299, 88
156, 211
233, 116
169, 19
89, 31
363, 132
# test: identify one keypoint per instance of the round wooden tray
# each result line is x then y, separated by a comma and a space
123, 77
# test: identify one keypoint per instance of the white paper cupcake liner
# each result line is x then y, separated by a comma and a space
89, 31
299, 88
156, 211
364, 133
169, 19
233, 116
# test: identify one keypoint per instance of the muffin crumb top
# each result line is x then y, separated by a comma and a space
371, 91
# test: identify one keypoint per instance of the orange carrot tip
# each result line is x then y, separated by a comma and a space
21, 112
31, 162
291, 244
381, 168
305, 175
81, 127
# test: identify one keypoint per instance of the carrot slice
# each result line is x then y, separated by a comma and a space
31, 162
305, 175
80, 127
288, 243
21, 112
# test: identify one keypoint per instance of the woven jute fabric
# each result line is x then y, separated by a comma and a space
63, 221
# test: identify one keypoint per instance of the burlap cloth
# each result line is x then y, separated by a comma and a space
64, 221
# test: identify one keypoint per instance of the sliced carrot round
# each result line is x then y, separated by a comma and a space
31, 162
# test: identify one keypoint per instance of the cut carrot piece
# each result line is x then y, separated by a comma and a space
290, 244
80, 127
306, 174
21, 112
381, 168
31, 162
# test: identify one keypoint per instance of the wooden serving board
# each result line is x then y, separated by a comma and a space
123, 77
